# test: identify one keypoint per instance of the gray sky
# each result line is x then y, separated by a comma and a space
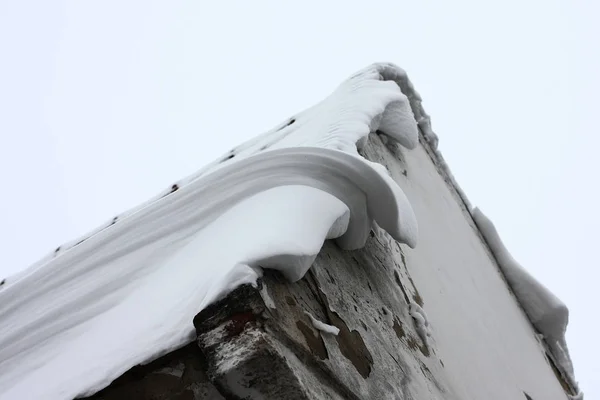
105, 103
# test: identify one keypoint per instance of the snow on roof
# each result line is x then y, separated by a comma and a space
128, 292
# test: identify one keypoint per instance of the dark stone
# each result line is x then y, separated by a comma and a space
241, 306
353, 346
170, 377
314, 341
398, 328
290, 301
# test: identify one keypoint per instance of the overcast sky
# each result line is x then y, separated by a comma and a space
105, 103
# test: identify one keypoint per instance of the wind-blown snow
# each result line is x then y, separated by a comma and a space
128, 292
546, 312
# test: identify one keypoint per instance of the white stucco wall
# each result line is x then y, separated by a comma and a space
487, 344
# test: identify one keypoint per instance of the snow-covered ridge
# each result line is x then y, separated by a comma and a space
128, 292
546, 312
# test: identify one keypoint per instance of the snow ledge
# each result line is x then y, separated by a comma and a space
547, 313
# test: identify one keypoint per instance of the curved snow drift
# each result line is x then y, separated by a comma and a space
546, 312
128, 293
